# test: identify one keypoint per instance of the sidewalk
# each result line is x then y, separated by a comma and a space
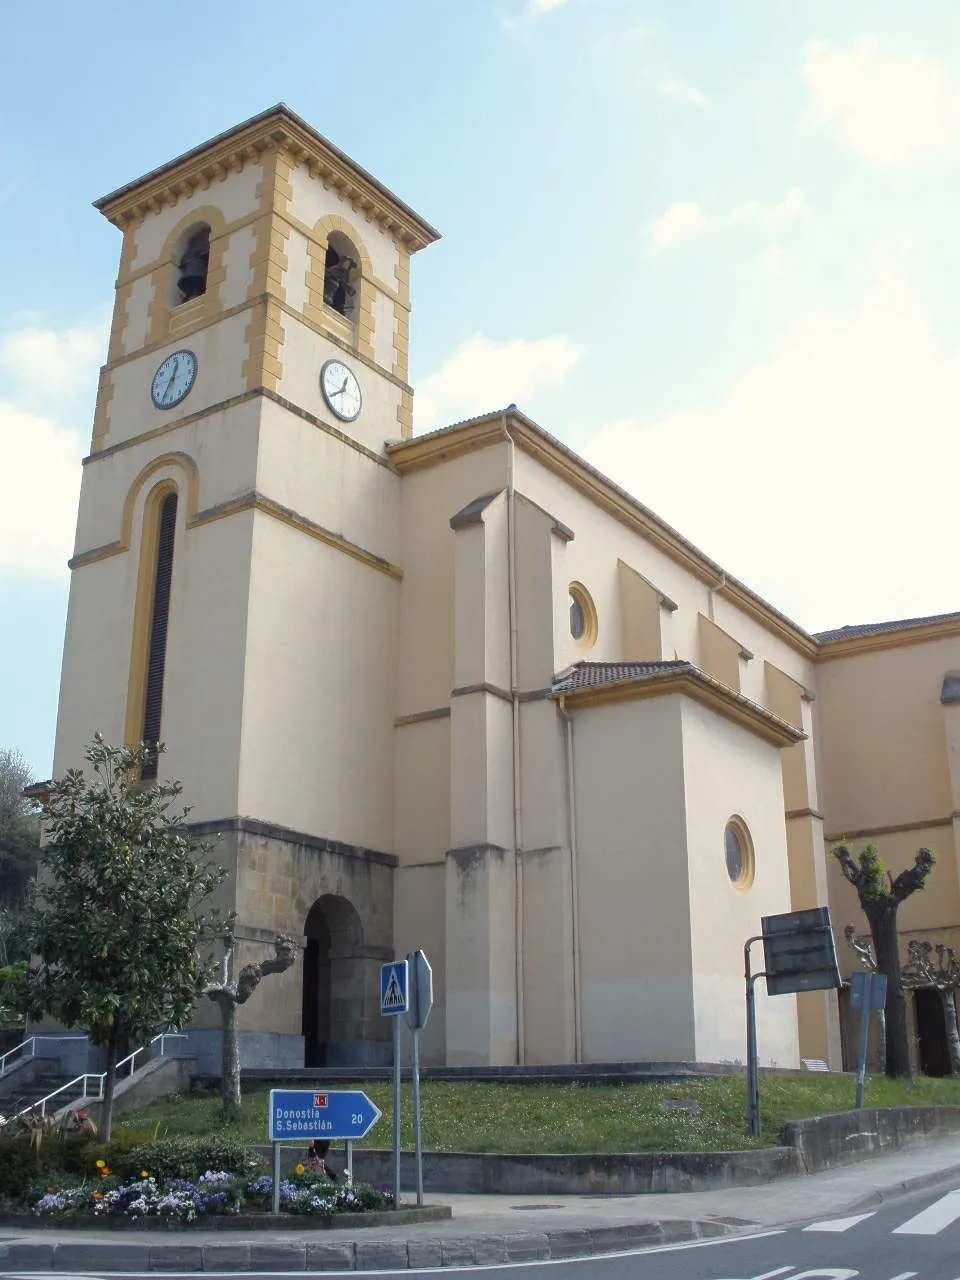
491, 1229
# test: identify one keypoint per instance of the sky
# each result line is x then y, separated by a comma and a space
709, 244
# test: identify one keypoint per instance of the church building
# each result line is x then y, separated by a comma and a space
455, 691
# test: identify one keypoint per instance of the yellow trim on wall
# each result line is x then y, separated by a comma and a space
143, 608
591, 625
192, 477
701, 688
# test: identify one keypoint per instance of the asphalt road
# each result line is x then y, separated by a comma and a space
915, 1238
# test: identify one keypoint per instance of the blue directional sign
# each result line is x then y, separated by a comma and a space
344, 1115
394, 988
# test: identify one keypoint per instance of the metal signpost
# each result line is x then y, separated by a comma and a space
394, 1000
799, 954
421, 1002
868, 993
333, 1115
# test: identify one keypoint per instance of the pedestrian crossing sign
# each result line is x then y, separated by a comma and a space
394, 988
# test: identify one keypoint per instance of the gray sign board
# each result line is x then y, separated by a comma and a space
799, 953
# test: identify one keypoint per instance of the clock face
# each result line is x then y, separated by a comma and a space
174, 379
341, 390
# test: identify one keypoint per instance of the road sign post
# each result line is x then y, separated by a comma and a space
395, 1000
799, 954
868, 993
332, 1115
421, 1002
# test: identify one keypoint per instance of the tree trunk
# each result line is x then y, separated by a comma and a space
950, 1023
230, 1063
110, 1080
883, 926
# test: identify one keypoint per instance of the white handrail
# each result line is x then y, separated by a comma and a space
32, 1041
100, 1076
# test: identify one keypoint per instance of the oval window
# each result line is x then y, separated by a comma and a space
738, 853
583, 616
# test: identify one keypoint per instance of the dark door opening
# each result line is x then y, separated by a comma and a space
316, 989
931, 1032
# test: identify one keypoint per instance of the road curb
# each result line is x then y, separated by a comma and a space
310, 1254
921, 1182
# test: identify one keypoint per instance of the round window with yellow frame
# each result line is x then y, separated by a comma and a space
738, 853
583, 616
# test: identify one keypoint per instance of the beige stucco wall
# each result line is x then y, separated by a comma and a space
316, 475
600, 541
235, 196
205, 650
636, 974
429, 499
728, 771
220, 350
882, 750
310, 201
302, 356
318, 690
420, 924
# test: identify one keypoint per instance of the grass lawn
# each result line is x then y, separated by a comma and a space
571, 1117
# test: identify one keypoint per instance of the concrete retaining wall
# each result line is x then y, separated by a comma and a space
825, 1142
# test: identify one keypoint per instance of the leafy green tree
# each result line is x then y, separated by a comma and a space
117, 925
19, 836
880, 896
13, 990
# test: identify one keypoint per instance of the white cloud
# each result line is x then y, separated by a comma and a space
683, 91
483, 375
771, 258
824, 477
686, 218
891, 110
50, 378
537, 7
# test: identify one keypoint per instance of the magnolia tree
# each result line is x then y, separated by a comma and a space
227, 993
117, 927
880, 895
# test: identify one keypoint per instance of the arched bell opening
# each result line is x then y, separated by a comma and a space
341, 276
191, 263
335, 1000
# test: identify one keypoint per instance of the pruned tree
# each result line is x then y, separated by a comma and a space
227, 994
117, 924
880, 895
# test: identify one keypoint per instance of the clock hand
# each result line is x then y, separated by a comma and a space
176, 366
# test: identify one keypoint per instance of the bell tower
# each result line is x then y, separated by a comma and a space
235, 584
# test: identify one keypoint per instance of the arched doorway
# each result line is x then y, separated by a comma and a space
334, 1003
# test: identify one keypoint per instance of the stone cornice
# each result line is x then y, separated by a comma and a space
701, 688
489, 429
279, 128
843, 647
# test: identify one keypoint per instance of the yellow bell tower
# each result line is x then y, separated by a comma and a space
235, 587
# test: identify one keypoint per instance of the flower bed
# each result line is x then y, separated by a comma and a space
215, 1193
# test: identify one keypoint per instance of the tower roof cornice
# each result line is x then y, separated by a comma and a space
278, 128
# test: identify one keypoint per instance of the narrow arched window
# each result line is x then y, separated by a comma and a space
159, 617
192, 263
341, 275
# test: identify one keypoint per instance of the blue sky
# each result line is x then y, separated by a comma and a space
711, 246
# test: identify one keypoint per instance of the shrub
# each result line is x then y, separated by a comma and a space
20, 1164
189, 1157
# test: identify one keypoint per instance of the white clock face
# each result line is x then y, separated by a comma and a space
174, 379
341, 390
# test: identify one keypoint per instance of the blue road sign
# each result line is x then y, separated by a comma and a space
394, 988
337, 1114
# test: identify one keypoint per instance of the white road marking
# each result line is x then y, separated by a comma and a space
933, 1219
839, 1224
906, 1275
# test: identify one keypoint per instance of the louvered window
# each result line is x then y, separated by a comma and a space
156, 657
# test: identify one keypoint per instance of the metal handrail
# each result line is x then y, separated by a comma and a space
32, 1041
100, 1076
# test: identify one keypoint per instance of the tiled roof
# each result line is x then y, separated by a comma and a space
583, 675
878, 628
